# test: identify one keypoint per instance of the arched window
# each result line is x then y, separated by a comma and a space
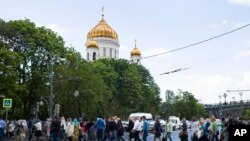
94, 56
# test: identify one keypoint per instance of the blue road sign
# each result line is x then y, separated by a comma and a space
7, 103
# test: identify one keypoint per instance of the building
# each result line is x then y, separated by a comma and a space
102, 42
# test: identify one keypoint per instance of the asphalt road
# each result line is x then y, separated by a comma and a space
175, 137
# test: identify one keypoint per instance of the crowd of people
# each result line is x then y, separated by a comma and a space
112, 129
210, 129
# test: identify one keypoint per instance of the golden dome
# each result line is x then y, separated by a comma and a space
135, 51
92, 44
102, 29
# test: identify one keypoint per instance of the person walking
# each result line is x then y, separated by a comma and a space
120, 130
107, 130
30, 127
194, 129
113, 128
137, 129
38, 126
63, 129
55, 128
91, 130
2, 128
203, 136
130, 129
168, 130
100, 125
145, 129
70, 130
76, 130
48, 128
157, 130
183, 133
214, 129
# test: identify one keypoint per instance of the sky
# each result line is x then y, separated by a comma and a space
159, 26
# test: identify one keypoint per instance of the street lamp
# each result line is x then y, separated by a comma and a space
241, 96
225, 97
45, 100
76, 93
51, 59
233, 98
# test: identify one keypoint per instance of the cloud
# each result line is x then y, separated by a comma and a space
58, 29
241, 2
223, 24
247, 43
220, 24
241, 54
207, 88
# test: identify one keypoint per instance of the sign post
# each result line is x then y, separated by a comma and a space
7, 103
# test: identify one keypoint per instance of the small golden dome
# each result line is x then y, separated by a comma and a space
102, 29
135, 51
92, 44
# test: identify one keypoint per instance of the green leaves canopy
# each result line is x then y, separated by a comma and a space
106, 86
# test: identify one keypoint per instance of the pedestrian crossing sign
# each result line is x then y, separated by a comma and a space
7, 103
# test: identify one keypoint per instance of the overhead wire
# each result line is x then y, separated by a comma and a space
197, 43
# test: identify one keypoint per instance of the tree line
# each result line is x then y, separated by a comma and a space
105, 86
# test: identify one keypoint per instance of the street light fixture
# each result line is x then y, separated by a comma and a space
233, 98
76, 93
51, 59
225, 97
240, 96
220, 98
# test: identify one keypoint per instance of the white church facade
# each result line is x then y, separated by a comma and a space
102, 42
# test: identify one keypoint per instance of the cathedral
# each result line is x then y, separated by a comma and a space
102, 42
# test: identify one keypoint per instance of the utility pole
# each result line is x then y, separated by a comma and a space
51, 86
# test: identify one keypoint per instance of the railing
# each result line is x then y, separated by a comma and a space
228, 104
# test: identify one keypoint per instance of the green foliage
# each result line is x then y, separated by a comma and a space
106, 86
183, 104
246, 113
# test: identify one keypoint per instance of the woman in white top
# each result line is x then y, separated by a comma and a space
70, 129
48, 128
38, 127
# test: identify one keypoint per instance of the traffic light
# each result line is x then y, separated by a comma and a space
57, 109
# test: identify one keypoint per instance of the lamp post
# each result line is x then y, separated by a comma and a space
76, 94
233, 98
241, 96
41, 103
51, 84
50, 58
225, 97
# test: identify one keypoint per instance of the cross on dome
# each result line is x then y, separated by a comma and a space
102, 12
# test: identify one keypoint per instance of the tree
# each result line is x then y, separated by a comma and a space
166, 106
32, 44
106, 86
246, 113
185, 105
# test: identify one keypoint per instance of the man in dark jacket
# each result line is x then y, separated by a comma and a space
55, 128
